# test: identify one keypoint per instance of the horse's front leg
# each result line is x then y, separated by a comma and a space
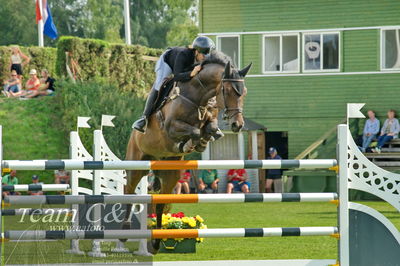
180, 131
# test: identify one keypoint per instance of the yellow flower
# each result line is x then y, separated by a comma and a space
192, 223
179, 239
199, 239
186, 220
203, 226
198, 218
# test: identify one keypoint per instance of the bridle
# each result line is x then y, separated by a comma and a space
234, 111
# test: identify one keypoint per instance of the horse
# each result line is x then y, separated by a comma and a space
186, 122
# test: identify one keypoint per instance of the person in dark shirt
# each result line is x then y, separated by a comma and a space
46, 86
274, 176
180, 62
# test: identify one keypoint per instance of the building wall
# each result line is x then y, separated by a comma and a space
266, 15
309, 105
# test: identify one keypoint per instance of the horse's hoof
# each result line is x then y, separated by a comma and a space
200, 148
153, 246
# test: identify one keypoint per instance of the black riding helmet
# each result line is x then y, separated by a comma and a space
203, 44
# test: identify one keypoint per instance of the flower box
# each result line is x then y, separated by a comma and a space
187, 245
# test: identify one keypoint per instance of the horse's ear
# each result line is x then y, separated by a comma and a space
244, 71
227, 70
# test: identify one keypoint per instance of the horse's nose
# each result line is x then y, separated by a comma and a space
236, 127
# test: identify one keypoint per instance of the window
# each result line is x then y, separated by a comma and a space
321, 52
390, 46
230, 45
281, 53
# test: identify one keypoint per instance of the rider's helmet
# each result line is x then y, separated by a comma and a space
203, 44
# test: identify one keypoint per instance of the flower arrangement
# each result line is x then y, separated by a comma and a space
178, 221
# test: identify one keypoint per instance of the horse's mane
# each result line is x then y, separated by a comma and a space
217, 57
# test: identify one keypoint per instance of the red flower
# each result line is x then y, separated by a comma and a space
178, 215
152, 215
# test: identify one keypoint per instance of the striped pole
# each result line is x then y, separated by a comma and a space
172, 233
38, 187
167, 165
172, 198
29, 211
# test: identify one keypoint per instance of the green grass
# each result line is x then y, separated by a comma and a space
222, 215
31, 130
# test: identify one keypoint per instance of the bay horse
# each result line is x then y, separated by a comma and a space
186, 123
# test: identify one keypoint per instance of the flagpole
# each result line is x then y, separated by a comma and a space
127, 23
40, 25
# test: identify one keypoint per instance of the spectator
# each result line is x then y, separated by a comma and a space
35, 181
183, 182
46, 85
10, 180
17, 60
61, 177
208, 179
389, 131
371, 129
31, 85
13, 84
274, 176
237, 181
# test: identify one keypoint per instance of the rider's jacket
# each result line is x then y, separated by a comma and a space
181, 60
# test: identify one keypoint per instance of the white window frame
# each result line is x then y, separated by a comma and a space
339, 69
239, 46
280, 35
382, 49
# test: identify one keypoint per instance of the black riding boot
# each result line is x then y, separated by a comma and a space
141, 123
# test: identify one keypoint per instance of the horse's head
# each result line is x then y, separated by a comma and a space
233, 92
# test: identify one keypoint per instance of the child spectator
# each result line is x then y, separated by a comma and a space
17, 60
12, 85
35, 181
389, 131
208, 179
10, 180
183, 182
237, 181
371, 129
274, 176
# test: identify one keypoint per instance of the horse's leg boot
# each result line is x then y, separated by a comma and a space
219, 134
141, 123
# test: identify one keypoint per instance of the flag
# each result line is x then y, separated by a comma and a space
43, 13
353, 110
83, 121
106, 120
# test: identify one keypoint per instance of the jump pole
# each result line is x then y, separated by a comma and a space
173, 233
167, 165
171, 198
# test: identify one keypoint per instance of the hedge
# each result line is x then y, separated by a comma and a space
41, 57
118, 64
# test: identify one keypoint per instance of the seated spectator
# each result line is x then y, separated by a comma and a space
371, 129
35, 181
183, 182
208, 179
10, 180
237, 181
61, 177
13, 84
389, 131
46, 86
31, 85
274, 176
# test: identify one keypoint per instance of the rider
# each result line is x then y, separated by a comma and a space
178, 61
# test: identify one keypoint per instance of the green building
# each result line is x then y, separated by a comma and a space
309, 58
